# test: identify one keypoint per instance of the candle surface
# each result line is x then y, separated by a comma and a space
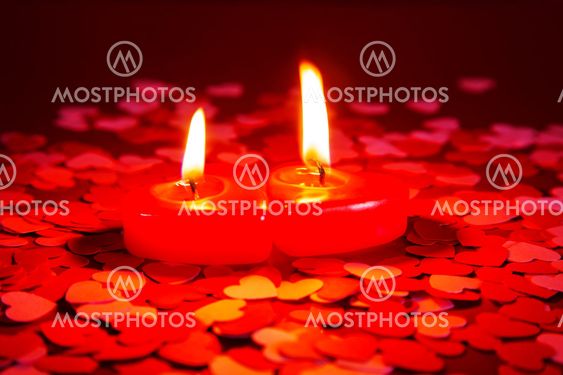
166, 223
358, 211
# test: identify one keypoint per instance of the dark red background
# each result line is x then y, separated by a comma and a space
64, 43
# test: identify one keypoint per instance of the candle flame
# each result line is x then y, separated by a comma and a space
315, 148
194, 156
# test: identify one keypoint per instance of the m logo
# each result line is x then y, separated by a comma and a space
377, 58
377, 283
124, 58
125, 283
504, 171
251, 171
7, 172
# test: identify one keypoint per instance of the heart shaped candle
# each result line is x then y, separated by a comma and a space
359, 210
185, 221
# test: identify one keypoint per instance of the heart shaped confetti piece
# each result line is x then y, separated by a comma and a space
252, 287
22, 226
501, 326
226, 90
549, 282
555, 340
410, 355
88, 292
529, 310
492, 256
65, 364
223, 364
453, 284
354, 347
444, 348
439, 326
433, 251
525, 355
122, 280
21, 346
149, 366
197, 350
257, 315
476, 85
522, 252
220, 311
114, 351
320, 266
89, 160
358, 269
289, 291
169, 273
26, 307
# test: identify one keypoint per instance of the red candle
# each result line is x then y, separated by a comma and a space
190, 221
359, 210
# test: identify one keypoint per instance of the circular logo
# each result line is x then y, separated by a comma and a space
377, 58
251, 171
504, 171
7, 171
124, 58
125, 283
374, 283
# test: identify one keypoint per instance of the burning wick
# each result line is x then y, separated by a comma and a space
322, 172
193, 187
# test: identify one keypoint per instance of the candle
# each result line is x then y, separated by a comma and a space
359, 210
190, 221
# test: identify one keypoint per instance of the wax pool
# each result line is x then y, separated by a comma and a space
359, 211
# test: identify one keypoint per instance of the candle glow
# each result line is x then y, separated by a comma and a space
315, 147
